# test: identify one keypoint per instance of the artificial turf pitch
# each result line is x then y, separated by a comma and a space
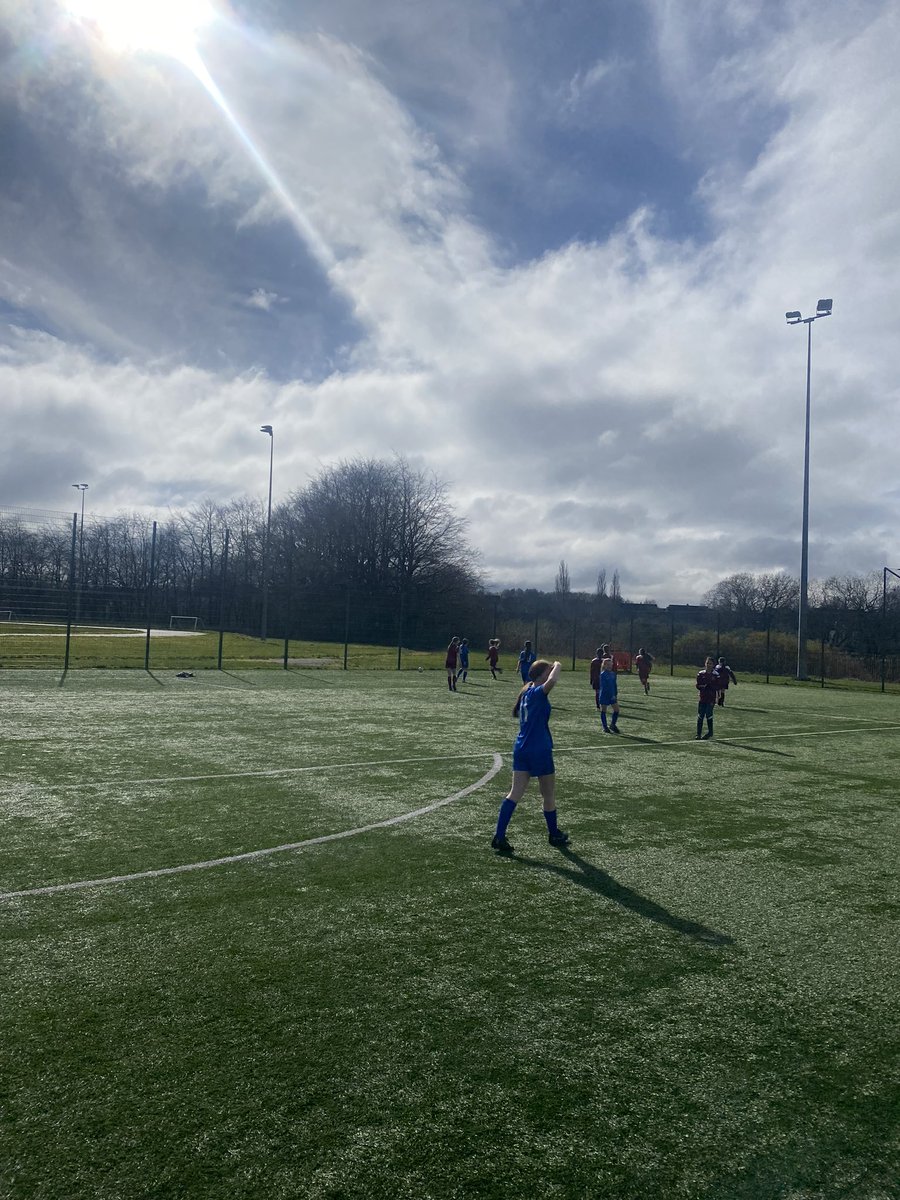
697, 999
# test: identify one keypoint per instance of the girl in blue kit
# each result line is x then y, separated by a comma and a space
533, 754
608, 695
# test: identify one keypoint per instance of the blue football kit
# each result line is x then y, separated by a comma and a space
609, 687
533, 747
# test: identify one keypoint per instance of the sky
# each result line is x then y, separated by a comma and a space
543, 250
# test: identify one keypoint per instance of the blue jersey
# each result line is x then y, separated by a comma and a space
534, 721
609, 687
464, 656
526, 658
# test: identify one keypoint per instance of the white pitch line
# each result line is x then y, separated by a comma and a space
266, 773
250, 854
750, 737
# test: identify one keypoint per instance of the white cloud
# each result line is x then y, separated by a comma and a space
634, 403
263, 300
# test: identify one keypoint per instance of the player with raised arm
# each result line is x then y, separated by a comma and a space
708, 687
533, 755
644, 663
725, 675
608, 696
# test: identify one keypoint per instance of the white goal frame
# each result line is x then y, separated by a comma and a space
190, 623
7, 614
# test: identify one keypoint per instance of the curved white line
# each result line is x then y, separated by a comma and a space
265, 773
233, 858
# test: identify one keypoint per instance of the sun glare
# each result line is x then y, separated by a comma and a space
163, 26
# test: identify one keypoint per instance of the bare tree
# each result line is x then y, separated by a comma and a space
563, 585
601, 582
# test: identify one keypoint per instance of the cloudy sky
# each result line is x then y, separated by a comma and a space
544, 249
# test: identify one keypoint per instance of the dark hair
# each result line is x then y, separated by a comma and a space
535, 671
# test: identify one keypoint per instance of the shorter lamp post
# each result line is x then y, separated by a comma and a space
823, 309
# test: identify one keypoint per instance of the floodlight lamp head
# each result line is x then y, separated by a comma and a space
823, 308
792, 318
82, 487
266, 429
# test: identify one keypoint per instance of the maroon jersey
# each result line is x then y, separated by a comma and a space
595, 673
726, 676
452, 651
644, 664
492, 655
707, 686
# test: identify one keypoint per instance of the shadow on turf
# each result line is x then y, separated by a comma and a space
595, 879
755, 749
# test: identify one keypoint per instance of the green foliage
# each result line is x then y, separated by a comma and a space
696, 1000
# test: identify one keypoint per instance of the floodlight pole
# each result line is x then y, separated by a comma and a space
265, 581
81, 487
823, 309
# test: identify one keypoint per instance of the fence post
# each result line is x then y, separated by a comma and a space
630, 646
71, 591
534, 642
768, 641
289, 595
494, 630
346, 628
400, 633
718, 632
823, 660
150, 597
222, 597
574, 629
672, 648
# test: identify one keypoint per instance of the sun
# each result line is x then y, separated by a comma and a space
162, 26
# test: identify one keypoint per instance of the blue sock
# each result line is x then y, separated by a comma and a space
603, 719
507, 808
615, 719
550, 818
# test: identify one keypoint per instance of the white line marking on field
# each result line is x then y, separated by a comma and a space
250, 854
266, 773
734, 738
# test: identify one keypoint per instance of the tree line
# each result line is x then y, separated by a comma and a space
375, 549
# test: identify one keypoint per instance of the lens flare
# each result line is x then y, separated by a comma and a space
162, 26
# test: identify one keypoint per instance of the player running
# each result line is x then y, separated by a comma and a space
725, 674
493, 655
644, 663
708, 687
608, 695
533, 755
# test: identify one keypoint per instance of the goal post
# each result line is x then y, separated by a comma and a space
7, 615
192, 624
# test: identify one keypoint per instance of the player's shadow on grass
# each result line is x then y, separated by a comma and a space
755, 749
595, 879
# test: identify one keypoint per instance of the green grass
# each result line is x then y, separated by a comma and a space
698, 1000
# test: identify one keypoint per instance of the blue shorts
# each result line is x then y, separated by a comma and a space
607, 698
535, 762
